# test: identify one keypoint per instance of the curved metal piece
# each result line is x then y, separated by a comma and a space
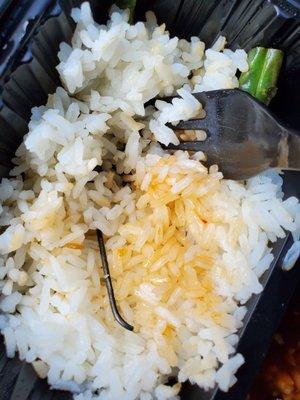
108, 283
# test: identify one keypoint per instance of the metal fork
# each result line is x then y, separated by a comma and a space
243, 136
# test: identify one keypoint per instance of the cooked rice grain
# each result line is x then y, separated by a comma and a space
185, 247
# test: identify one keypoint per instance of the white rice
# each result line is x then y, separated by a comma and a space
185, 247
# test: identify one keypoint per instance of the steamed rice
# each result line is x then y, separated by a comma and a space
186, 248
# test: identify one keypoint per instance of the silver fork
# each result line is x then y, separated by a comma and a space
243, 136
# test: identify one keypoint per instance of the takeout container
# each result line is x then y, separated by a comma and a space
30, 36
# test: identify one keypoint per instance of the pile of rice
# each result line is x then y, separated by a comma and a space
186, 248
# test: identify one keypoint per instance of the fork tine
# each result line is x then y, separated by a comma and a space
192, 124
194, 145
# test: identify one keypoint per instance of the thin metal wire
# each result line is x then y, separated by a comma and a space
108, 283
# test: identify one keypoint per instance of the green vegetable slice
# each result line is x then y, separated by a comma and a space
266, 88
261, 78
249, 80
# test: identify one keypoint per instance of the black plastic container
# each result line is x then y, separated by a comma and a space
28, 74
